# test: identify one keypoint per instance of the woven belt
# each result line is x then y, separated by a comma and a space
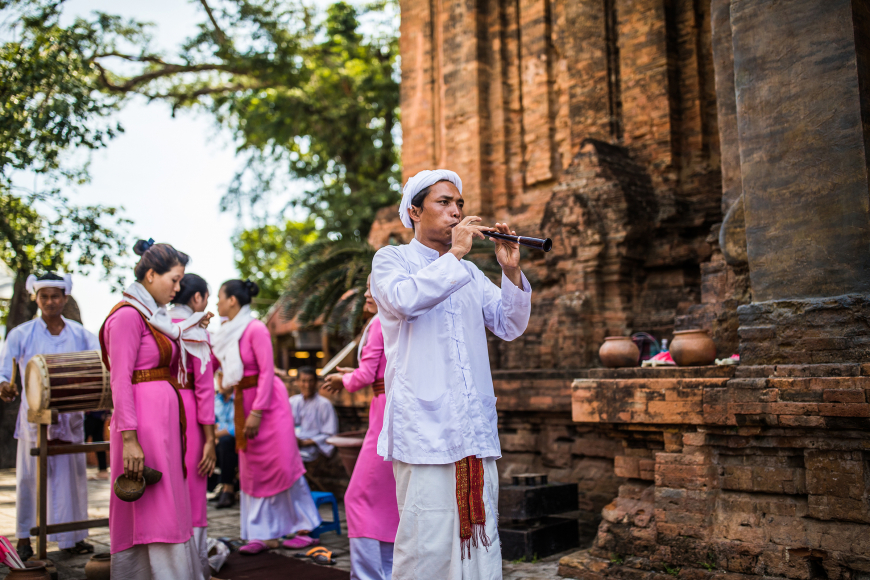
378, 387
239, 409
148, 375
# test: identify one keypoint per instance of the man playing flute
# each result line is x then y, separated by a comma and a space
440, 423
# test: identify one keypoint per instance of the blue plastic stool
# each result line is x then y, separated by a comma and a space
322, 497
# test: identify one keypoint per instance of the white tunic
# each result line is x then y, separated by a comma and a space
314, 419
433, 311
67, 475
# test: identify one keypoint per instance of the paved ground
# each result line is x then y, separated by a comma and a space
222, 523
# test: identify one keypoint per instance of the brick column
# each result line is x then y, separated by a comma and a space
803, 119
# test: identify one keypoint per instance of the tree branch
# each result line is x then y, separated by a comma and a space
132, 83
222, 39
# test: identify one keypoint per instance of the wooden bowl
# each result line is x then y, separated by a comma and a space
127, 489
152, 476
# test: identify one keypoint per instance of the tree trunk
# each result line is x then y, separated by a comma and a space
21, 309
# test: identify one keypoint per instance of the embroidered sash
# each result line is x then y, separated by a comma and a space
469, 500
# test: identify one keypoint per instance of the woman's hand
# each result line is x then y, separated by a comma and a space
134, 457
203, 323
252, 425
333, 383
209, 459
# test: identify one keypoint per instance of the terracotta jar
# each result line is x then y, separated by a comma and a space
693, 348
32, 571
619, 351
99, 567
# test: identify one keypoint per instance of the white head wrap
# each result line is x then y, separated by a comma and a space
420, 182
32, 285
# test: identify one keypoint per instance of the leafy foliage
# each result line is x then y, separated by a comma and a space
306, 98
267, 254
52, 104
330, 282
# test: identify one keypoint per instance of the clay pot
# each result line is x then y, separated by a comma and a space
31, 571
619, 351
152, 476
349, 445
693, 348
99, 567
129, 489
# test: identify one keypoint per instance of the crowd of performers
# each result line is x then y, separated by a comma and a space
422, 500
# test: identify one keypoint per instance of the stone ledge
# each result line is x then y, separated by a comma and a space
796, 396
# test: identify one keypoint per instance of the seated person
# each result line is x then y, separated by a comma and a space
225, 442
313, 416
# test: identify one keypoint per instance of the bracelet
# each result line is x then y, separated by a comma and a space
256, 413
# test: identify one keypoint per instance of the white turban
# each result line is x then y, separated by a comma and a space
420, 182
33, 285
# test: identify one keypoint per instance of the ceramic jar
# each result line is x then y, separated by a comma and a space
32, 571
693, 348
99, 567
619, 351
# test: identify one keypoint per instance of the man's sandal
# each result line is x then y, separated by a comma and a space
80, 548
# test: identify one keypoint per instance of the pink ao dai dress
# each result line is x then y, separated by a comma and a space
370, 501
151, 537
198, 401
275, 498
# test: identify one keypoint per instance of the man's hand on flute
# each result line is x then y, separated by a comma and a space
508, 255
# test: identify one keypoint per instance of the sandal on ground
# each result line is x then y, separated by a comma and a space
25, 552
254, 547
80, 548
319, 555
300, 542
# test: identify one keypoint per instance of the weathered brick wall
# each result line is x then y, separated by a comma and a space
593, 122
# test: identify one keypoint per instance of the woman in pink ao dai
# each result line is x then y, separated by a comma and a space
275, 498
370, 501
151, 537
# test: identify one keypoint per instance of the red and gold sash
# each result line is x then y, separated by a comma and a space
469, 500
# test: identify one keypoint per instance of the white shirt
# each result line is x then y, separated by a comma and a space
440, 401
32, 338
314, 419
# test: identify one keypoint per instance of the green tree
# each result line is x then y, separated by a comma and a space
311, 100
52, 104
267, 254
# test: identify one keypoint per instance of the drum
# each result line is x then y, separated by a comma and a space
72, 381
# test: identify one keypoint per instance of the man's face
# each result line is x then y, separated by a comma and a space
51, 301
441, 211
307, 384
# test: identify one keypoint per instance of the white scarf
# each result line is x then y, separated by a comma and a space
364, 338
190, 337
32, 285
226, 346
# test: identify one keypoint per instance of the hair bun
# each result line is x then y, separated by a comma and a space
252, 288
142, 246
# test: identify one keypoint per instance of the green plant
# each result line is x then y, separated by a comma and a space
519, 560
672, 571
616, 559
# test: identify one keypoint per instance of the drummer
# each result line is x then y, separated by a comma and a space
51, 333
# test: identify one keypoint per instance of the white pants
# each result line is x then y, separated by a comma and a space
288, 512
427, 541
370, 559
158, 561
200, 540
67, 491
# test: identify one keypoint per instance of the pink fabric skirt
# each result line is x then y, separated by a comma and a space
271, 462
162, 514
196, 483
370, 501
